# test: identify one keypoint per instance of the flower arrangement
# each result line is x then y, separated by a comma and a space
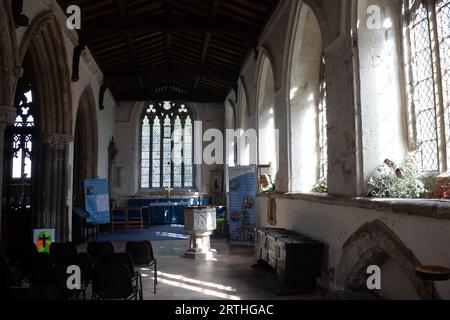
269, 185
321, 186
397, 181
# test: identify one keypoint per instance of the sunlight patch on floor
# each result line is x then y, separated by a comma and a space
207, 292
194, 281
172, 235
212, 289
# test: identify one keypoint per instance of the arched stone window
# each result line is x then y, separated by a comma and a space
167, 130
307, 103
230, 124
267, 152
428, 39
381, 86
243, 140
21, 133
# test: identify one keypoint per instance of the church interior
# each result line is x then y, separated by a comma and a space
225, 149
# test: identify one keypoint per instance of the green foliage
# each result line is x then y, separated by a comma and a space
220, 230
397, 181
321, 187
270, 184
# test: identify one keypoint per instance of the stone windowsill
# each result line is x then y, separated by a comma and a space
437, 209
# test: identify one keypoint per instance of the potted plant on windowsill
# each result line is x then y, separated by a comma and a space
321, 186
397, 181
269, 184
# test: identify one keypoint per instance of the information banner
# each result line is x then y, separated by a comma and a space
241, 204
97, 201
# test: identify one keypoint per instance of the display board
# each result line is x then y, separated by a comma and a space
241, 204
97, 201
43, 238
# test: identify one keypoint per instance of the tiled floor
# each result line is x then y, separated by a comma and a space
230, 277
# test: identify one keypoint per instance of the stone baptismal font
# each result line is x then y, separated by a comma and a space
200, 222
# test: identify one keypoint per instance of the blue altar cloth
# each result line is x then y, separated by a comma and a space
166, 211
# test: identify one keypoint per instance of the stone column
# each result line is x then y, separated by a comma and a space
7, 116
50, 184
344, 145
281, 123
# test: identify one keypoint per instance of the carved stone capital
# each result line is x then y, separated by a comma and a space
7, 115
55, 139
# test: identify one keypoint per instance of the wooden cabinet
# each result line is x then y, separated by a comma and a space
296, 259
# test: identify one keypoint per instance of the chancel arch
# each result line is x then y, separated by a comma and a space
306, 101
85, 145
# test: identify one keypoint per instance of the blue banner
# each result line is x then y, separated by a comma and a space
241, 204
97, 201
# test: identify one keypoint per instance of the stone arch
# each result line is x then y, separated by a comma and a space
265, 111
230, 124
243, 102
303, 78
381, 87
43, 53
43, 48
324, 27
85, 144
8, 57
373, 244
230, 108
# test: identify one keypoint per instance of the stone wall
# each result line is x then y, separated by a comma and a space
366, 124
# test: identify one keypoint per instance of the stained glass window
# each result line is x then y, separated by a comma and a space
166, 146
429, 60
322, 116
22, 132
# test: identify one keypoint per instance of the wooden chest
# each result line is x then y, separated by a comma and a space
296, 259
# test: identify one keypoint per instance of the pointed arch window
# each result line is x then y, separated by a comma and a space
428, 40
22, 132
167, 146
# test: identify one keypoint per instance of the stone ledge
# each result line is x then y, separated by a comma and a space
437, 209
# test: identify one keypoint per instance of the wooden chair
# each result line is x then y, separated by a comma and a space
135, 217
119, 218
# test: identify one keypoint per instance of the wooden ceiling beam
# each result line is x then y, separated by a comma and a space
208, 37
168, 23
134, 57
175, 97
174, 70
168, 34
